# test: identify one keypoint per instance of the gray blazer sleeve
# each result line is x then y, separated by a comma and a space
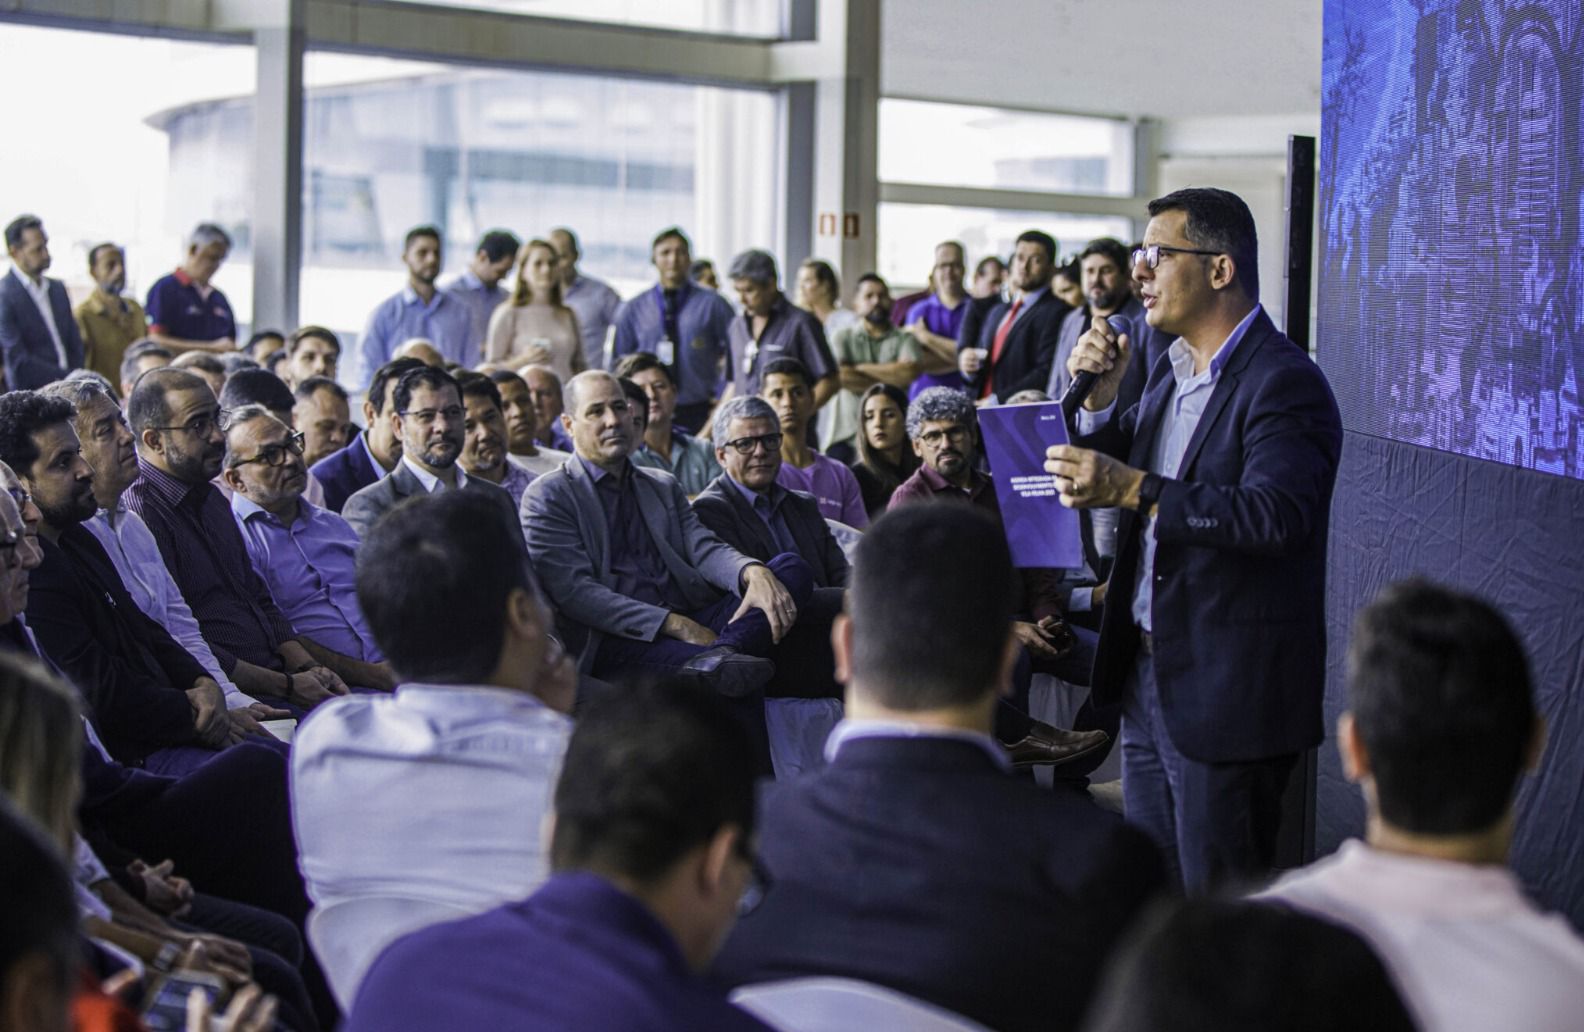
366, 506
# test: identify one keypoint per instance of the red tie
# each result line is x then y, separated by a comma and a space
999, 343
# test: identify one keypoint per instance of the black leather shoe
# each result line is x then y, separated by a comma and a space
1047, 745
725, 670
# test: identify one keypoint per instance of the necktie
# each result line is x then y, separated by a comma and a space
999, 343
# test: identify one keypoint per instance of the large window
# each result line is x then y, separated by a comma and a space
909, 232
92, 150
757, 18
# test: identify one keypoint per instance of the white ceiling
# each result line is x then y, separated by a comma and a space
1167, 59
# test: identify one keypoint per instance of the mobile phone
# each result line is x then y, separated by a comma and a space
165, 1008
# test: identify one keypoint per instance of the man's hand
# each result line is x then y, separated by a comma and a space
1092, 480
210, 719
250, 1011
163, 892
245, 720
969, 360
763, 592
853, 380
683, 628
1049, 637
312, 686
1097, 597
1104, 352
214, 955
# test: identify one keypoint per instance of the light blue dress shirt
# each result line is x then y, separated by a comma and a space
310, 570
594, 302
445, 321
481, 302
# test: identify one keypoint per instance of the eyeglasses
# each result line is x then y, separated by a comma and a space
954, 434
428, 416
203, 426
759, 883
1151, 255
275, 454
746, 445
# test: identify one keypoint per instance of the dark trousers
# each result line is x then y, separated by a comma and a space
1215, 822
274, 944
805, 661
1073, 666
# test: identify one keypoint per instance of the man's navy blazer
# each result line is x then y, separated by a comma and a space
30, 357
1238, 609
920, 865
1029, 350
344, 473
722, 508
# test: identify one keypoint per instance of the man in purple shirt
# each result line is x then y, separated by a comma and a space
788, 388
653, 860
935, 321
771, 328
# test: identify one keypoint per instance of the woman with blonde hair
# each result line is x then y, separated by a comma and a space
537, 326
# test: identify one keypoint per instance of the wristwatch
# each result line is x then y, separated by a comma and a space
165, 960
1149, 492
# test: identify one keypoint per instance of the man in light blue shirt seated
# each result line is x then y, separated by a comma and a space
304, 554
666, 445
419, 309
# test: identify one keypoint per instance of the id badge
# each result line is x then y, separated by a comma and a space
665, 351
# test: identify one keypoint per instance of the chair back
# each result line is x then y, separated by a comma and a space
349, 935
844, 1005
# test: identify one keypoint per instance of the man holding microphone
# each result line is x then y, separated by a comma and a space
1213, 636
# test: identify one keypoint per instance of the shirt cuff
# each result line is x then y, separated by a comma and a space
1081, 600
1089, 422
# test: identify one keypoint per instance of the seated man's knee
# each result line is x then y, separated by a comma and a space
795, 575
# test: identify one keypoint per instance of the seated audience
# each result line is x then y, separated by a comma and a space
522, 422
263, 388
871, 351
885, 456
653, 859
323, 415
665, 445
310, 351
422, 349
139, 359
264, 344
374, 452
304, 554
1441, 725
545, 388
38, 336
108, 322
187, 313
536, 326
418, 310
469, 745
1215, 966
914, 859
484, 453
770, 328
789, 390
429, 420
641, 604
206, 365
181, 448
234, 362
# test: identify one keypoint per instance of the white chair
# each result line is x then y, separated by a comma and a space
845, 1005
846, 537
798, 729
348, 936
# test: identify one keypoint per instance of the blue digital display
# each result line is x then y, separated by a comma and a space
1451, 276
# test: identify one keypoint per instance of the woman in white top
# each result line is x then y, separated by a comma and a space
536, 327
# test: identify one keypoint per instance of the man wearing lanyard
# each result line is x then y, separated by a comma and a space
771, 328
685, 326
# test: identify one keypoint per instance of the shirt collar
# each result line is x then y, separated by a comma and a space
1030, 297
379, 470
599, 473
428, 479
939, 484
470, 280
410, 296
852, 730
1182, 357
245, 509
773, 496
172, 490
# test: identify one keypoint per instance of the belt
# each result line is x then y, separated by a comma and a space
1146, 642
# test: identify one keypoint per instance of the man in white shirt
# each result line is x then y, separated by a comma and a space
1441, 724
437, 794
38, 335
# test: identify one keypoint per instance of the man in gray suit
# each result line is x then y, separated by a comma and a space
641, 587
429, 420
37, 332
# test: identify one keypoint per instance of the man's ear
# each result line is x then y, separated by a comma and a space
1222, 271
232, 478
566, 424
918, 448
841, 645
1355, 758
369, 415
718, 854
151, 440
522, 616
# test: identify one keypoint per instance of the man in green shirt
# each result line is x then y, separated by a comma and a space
874, 351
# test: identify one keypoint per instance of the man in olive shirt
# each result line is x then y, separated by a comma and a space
108, 322
874, 351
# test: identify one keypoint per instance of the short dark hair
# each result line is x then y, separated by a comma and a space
641, 362
432, 232
393, 370
499, 243
669, 233
824, 275
135, 354
202, 361
433, 579
873, 277
257, 387
938, 573
1439, 688
650, 774
699, 267
477, 385
302, 333
1218, 966
423, 376
986, 260
500, 376
1043, 239
233, 362
23, 414
93, 252
314, 384
787, 367
1108, 247
40, 905
635, 395
261, 336
1219, 221
19, 225
146, 408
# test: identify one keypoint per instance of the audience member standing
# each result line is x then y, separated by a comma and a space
988, 291
418, 310
1107, 271
885, 456
537, 326
186, 312
1018, 341
1213, 635
373, 453
687, 327
935, 321
869, 352
913, 859
653, 859
37, 332
1441, 725
594, 301
819, 294
479, 288
771, 328
665, 445
107, 322
788, 387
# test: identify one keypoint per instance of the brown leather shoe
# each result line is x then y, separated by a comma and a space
1047, 745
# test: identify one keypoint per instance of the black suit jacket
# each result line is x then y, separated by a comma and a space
920, 865
30, 358
1238, 606
1030, 348
723, 509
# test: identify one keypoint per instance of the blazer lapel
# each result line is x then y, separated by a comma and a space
593, 515
22, 301
750, 519
1253, 339
1157, 395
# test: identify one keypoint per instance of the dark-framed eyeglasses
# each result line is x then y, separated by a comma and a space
276, 454
1150, 256
428, 416
954, 434
759, 883
204, 425
746, 445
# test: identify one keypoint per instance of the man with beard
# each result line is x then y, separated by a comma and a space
1015, 346
522, 423
373, 453
1108, 287
429, 419
419, 309
181, 446
872, 352
305, 555
107, 322
484, 452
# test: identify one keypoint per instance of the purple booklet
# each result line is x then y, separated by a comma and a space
1040, 531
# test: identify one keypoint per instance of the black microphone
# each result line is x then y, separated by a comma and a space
1085, 381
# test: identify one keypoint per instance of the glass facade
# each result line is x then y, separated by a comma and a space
754, 18
909, 232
